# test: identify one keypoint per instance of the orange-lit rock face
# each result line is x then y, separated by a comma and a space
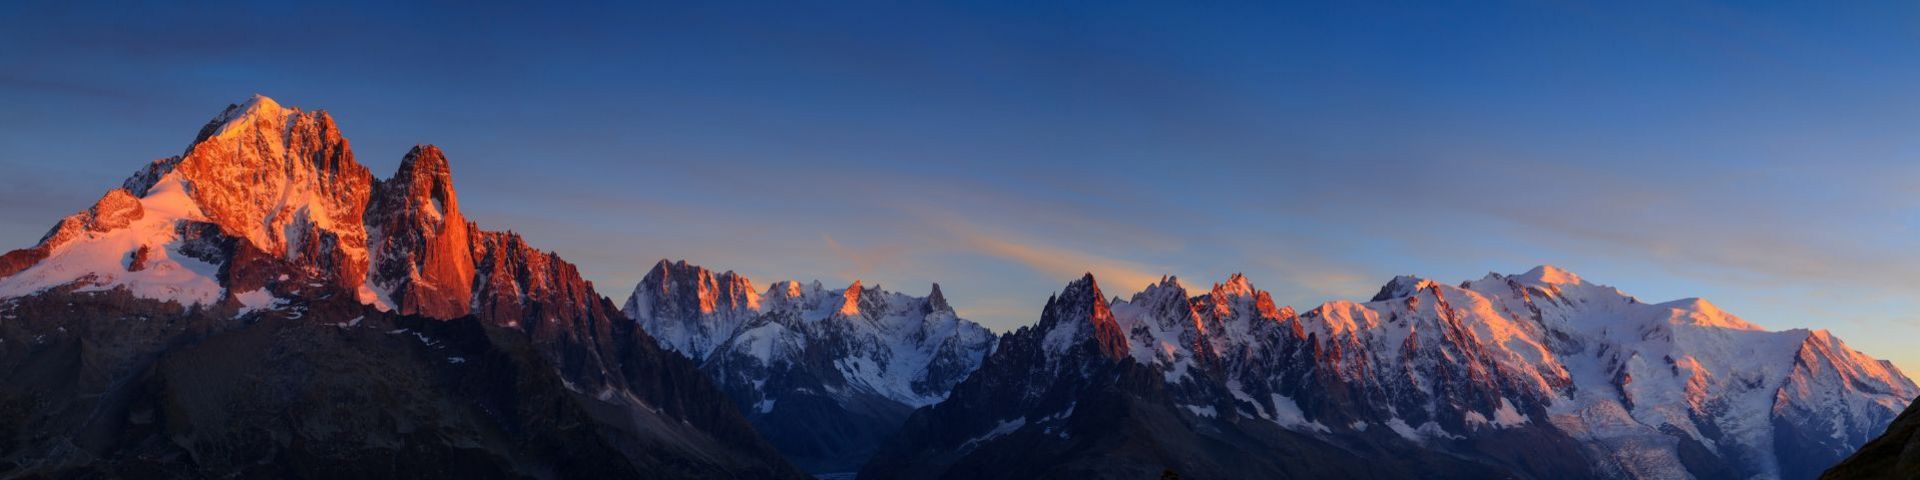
423, 244
283, 185
115, 210
285, 181
850, 299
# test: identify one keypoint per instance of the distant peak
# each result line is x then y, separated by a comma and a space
937, 302
1400, 286
680, 288
1698, 311
784, 289
1167, 297
1168, 286
850, 303
1085, 289
1236, 285
1550, 275
665, 272
1820, 334
1086, 280
1081, 304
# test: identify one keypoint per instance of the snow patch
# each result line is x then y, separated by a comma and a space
1506, 416
1005, 427
1425, 431
97, 259
1202, 410
1287, 413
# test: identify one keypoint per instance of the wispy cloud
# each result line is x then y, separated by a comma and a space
861, 262
1118, 275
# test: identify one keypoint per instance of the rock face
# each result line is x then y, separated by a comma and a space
1537, 375
281, 179
265, 268
1894, 454
826, 375
423, 250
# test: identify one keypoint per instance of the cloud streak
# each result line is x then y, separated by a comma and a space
1062, 263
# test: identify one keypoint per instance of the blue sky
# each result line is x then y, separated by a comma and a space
1762, 155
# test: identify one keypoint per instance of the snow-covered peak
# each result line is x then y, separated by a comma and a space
1164, 304
1236, 285
1401, 286
782, 294
260, 102
256, 113
1549, 275
1168, 290
689, 308
684, 290
124, 242
1700, 312
784, 289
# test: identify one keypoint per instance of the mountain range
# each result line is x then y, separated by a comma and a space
262, 306
824, 374
1535, 375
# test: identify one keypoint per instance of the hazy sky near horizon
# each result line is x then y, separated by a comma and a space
1759, 154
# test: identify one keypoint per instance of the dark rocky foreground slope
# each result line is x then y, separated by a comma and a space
144, 390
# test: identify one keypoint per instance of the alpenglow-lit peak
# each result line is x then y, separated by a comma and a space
259, 111
1401, 286
1698, 311
850, 304
1077, 315
1549, 275
1237, 285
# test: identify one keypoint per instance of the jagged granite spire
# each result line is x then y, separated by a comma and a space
424, 254
936, 302
1078, 317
